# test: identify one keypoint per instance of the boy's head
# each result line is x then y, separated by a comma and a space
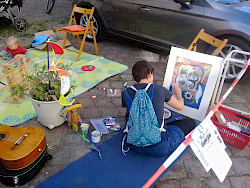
142, 70
12, 42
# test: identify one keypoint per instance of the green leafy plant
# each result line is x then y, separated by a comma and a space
42, 85
19, 90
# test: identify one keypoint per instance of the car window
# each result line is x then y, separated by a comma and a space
242, 5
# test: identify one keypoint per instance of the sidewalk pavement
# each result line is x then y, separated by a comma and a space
66, 146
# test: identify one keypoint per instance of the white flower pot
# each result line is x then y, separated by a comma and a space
48, 113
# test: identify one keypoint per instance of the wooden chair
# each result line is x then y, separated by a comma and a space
219, 44
89, 29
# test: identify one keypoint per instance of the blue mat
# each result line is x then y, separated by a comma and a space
113, 171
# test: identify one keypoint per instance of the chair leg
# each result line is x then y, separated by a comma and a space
65, 38
94, 38
80, 50
79, 41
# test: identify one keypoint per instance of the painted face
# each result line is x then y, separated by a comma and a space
12, 45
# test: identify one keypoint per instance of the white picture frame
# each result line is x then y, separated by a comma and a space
196, 74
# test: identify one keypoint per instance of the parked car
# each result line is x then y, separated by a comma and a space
165, 23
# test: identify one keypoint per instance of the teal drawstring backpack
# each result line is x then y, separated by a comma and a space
142, 127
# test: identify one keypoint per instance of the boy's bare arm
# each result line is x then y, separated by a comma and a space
176, 102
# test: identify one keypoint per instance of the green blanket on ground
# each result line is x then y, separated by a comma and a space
15, 114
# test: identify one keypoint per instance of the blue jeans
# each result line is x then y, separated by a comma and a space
170, 140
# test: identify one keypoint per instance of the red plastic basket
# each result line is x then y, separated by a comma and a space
229, 135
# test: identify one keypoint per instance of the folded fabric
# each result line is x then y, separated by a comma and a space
40, 39
74, 28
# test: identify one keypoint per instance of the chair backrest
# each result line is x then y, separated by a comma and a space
81, 10
219, 44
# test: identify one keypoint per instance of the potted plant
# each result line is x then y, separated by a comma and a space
43, 87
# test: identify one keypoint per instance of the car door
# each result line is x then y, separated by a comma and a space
119, 15
165, 21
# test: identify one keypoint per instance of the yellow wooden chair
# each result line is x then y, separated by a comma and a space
89, 29
219, 44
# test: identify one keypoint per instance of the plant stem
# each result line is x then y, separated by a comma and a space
48, 61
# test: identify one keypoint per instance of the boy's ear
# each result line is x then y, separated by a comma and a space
150, 75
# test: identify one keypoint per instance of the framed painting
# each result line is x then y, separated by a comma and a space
196, 74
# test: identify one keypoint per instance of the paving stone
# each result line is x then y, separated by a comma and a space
237, 98
195, 169
116, 101
241, 153
127, 77
241, 165
114, 78
214, 182
97, 92
167, 184
228, 151
105, 84
53, 139
231, 171
91, 112
238, 106
247, 107
102, 102
114, 112
242, 182
130, 83
158, 77
117, 85
194, 183
176, 172
78, 152
247, 94
71, 139
59, 129
85, 102
60, 155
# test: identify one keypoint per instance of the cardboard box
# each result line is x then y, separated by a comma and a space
59, 38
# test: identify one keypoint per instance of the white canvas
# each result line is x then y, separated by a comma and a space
196, 74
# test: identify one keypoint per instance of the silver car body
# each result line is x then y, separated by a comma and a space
167, 23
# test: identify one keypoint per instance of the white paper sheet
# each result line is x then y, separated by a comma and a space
211, 149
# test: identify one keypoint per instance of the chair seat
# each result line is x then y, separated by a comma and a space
74, 28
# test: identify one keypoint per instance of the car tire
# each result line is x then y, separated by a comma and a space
234, 43
98, 28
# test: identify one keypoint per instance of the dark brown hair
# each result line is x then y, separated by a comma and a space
141, 70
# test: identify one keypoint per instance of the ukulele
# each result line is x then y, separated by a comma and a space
20, 147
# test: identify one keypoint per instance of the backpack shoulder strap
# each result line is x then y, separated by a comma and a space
133, 87
146, 88
128, 100
151, 89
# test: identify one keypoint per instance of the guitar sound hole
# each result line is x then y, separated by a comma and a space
2, 136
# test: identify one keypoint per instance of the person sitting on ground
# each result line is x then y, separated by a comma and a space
173, 134
14, 49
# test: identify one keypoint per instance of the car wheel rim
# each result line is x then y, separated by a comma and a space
21, 25
83, 22
234, 67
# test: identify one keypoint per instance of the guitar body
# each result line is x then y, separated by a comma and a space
18, 156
